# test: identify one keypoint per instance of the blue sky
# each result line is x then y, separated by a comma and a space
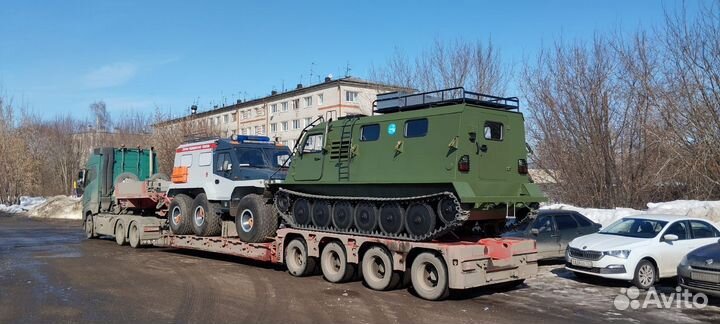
57, 57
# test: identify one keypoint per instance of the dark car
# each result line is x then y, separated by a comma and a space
699, 271
553, 230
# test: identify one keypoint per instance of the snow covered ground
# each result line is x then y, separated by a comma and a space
26, 204
694, 208
53, 207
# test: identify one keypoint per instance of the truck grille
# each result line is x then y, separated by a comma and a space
587, 255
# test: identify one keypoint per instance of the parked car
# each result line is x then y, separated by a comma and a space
553, 230
699, 271
641, 249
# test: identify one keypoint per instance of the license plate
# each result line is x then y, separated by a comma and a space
581, 263
708, 277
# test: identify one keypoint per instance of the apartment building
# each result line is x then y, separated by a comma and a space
282, 116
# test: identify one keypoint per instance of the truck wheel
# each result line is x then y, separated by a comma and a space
377, 269
120, 233
159, 176
126, 176
298, 263
134, 236
334, 265
255, 221
206, 220
180, 218
89, 227
429, 277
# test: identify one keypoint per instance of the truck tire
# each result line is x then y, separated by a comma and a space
134, 235
89, 227
120, 233
377, 269
334, 265
255, 221
126, 176
179, 215
297, 261
429, 276
206, 220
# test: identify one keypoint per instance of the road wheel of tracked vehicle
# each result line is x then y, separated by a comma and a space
134, 236
180, 216
342, 215
298, 263
282, 201
321, 213
206, 220
447, 210
120, 233
255, 221
429, 276
334, 265
125, 176
365, 217
391, 218
89, 227
419, 219
301, 212
377, 269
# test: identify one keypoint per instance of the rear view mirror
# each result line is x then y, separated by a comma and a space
227, 166
534, 231
670, 237
81, 178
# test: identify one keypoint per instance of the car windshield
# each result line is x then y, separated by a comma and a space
257, 157
635, 227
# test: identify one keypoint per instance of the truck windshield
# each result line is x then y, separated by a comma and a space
257, 157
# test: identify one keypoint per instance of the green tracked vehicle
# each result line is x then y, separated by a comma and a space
422, 166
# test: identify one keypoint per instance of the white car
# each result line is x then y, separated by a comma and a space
641, 249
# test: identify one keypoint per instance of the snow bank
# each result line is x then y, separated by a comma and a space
26, 204
58, 207
709, 210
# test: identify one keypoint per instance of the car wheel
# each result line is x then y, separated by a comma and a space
645, 275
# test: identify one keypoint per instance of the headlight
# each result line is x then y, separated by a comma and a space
683, 262
622, 254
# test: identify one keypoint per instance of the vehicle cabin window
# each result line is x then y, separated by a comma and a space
369, 133
584, 222
186, 160
679, 229
543, 224
416, 128
220, 160
493, 131
703, 230
204, 159
252, 157
313, 143
565, 222
91, 174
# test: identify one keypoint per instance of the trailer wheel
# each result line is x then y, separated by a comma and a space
334, 265
120, 233
206, 220
298, 263
159, 176
255, 221
134, 236
377, 269
126, 176
429, 277
89, 227
180, 215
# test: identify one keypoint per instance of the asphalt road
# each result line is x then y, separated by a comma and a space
50, 273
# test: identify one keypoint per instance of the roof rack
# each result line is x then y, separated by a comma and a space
397, 101
193, 138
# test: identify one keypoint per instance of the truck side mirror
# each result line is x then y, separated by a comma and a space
534, 231
81, 177
227, 166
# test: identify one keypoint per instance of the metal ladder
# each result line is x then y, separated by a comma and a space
345, 149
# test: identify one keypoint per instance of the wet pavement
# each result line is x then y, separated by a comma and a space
50, 273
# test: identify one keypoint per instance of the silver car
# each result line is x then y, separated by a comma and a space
553, 230
699, 271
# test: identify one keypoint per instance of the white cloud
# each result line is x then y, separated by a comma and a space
111, 75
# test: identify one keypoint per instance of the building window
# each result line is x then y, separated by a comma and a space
217, 120
284, 106
308, 101
332, 114
351, 96
260, 130
233, 117
296, 124
320, 99
308, 121
244, 131
296, 104
259, 111
284, 126
273, 108
226, 118
273, 127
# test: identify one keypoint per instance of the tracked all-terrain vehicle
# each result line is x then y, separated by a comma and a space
423, 166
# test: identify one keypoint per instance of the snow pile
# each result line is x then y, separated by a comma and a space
26, 204
58, 207
709, 210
